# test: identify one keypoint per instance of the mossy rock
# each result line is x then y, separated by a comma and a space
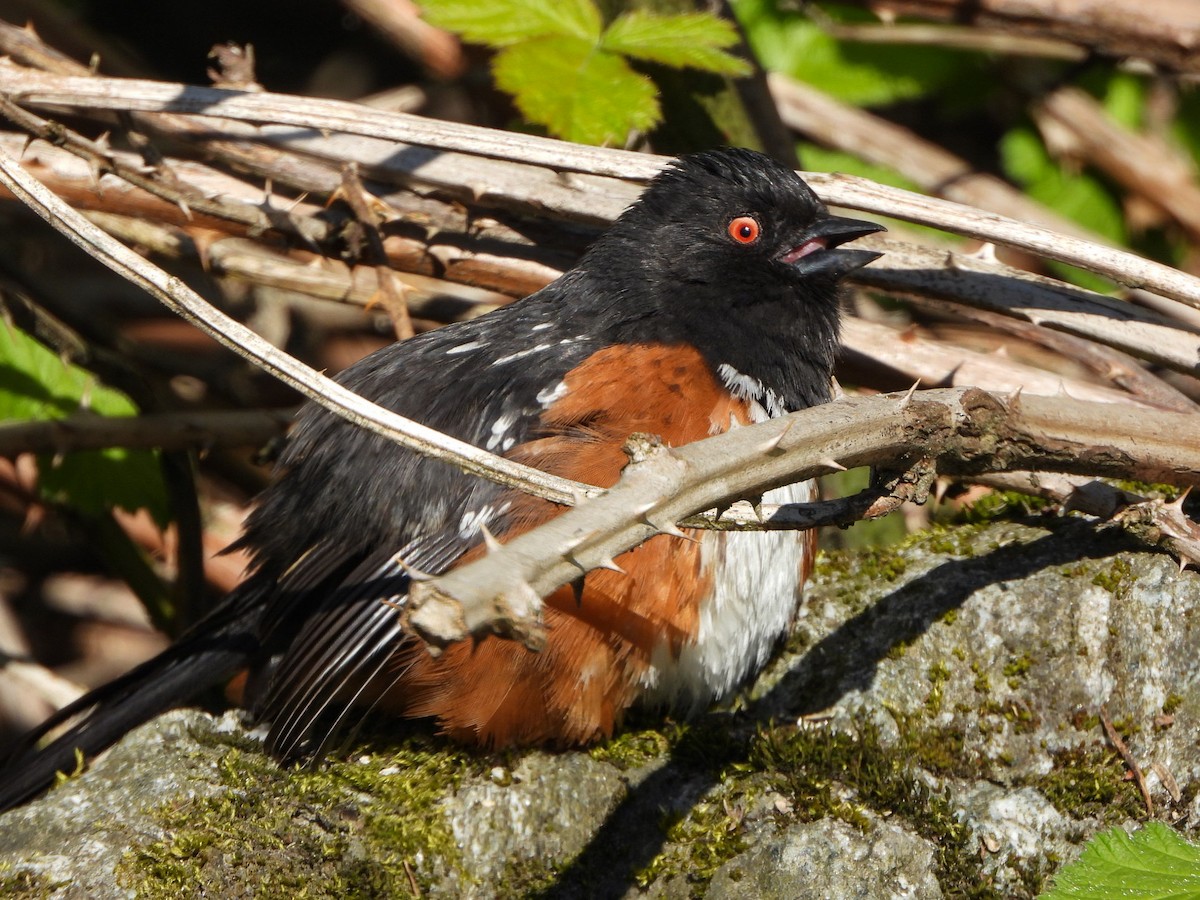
940, 702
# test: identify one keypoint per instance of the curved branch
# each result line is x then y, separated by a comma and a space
963, 431
181, 299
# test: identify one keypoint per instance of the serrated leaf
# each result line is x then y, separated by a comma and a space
35, 385
1154, 863
688, 40
577, 91
501, 23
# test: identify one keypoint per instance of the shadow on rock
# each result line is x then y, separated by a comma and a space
843, 661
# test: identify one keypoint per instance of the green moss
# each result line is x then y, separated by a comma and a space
852, 776
347, 829
21, 884
632, 749
938, 674
1017, 668
1166, 492
1090, 781
1172, 703
1018, 713
706, 838
983, 681
1116, 578
1002, 505
942, 539
710, 833
876, 564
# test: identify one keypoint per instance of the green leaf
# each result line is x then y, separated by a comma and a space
501, 23
575, 90
1077, 195
1125, 100
862, 74
816, 158
35, 385
1154, 863
689, 40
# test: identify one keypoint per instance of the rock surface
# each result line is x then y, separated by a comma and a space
933, 728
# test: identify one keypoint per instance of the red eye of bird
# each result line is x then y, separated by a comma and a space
744, 229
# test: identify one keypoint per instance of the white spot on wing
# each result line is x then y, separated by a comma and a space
499, 438
542, 326
521, 353
468, 525
547, 397
465, 348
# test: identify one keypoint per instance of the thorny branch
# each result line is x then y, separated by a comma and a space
961, 431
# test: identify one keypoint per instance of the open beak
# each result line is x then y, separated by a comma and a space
817, 252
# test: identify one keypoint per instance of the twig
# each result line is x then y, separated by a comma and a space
1134, 769
163, 431
986, 284
937, 364
1143, 163
398, 21
1165, 32
931, 167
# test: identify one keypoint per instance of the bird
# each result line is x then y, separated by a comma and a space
712, 301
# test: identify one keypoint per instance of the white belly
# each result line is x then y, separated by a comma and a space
757, 580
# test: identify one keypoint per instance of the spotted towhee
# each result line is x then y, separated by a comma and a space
713, 298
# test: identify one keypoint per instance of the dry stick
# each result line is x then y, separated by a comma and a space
1144, 164
1134, 769
40, 89
163, 431
985, 284
935, 363
964, 431
1165, 32
326, 392
1109, 364
929, 166
259, 217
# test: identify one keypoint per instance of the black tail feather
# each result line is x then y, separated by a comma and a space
210, 654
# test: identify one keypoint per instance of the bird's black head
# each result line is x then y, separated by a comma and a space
737, 254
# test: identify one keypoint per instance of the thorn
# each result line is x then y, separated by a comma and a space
489, 539
940, 487
577, 587
985, 253
756, 506
833, 464
1178, 501
909, 395
1014, 399
413, 573
610, 564
670, 528
773, 443
835, 389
